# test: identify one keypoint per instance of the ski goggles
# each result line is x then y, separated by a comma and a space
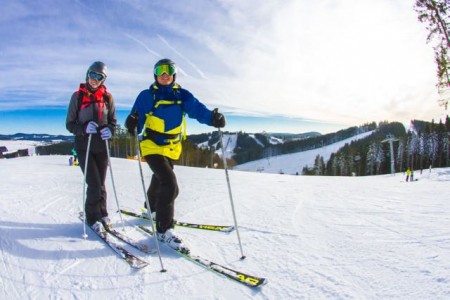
96, 76
168, 69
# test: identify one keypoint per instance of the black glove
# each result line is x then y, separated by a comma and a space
132, 122
217, 119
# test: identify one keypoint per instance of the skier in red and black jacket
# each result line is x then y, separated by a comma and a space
92, 112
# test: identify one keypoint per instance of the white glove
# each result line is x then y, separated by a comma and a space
105, 133
91, 127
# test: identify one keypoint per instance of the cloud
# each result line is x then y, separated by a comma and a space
335, 61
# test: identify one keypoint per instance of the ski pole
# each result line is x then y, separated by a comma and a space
229, 192
84, 185
147, 202
113, 184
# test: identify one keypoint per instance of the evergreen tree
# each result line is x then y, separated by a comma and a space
380, 157
319, 165
400, 155
435, 14
433, 147
422, 148
371, 159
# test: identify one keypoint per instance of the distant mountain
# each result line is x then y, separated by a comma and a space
294, 136
41, 137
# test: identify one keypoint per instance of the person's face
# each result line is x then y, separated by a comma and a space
164, 79
95, 79
165, 74
94, 83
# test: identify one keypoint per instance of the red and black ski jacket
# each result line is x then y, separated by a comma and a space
86, 106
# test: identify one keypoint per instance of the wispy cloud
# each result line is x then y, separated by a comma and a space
143, 45
184, 58
337, 61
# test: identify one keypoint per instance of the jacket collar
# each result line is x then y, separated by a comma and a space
157, 87
85, 88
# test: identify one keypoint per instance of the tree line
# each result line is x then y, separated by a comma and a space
123, 145
424, 145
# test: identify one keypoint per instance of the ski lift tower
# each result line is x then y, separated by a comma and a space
391, 139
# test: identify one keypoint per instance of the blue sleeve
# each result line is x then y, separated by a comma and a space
143, 105
195, 109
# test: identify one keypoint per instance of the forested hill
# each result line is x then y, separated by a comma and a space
424, 145
254, 146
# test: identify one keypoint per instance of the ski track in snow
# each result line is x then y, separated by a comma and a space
311, 237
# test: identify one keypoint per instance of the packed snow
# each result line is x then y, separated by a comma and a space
375, 237
14, 145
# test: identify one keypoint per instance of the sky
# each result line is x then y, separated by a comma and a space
296, 64
311, 237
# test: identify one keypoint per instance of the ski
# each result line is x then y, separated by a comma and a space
222, 228
132, 260
236, 276
124, 238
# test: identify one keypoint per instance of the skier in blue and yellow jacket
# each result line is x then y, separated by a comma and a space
159, 115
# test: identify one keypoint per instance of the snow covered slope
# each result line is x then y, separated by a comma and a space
293, 163
312, 237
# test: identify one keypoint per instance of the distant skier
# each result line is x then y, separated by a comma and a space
71, 161
408, 174
92, 112
75, 157
159, 113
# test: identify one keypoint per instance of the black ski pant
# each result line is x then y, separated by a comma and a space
95, 205
163, 191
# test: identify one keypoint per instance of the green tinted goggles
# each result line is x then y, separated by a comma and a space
168, 69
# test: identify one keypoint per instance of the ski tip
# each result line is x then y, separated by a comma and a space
263, 282
228, 229
137, 263
255, 283
139, 266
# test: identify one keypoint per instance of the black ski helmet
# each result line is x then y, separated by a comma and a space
166, 61
97, 67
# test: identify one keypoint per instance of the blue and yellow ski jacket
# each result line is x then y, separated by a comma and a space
161, 111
